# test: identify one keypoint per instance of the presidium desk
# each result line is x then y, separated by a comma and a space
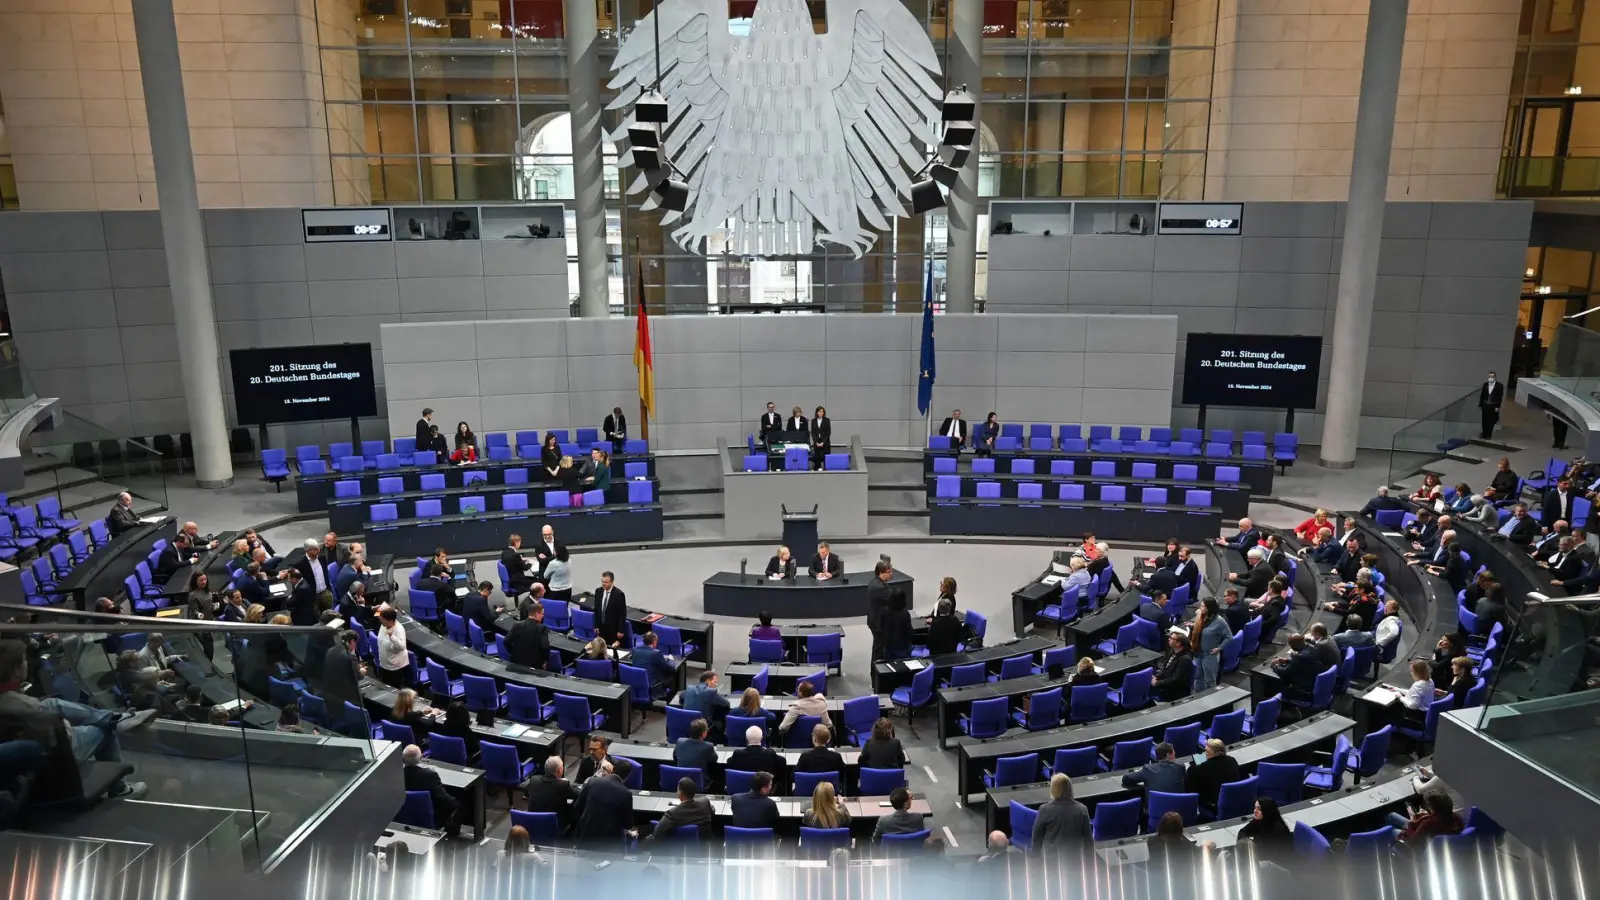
747, 596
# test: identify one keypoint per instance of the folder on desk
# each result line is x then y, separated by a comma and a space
461, 592
170, 611
916, 665
375, 573
654, 618
458, 562
152, 520
514, 731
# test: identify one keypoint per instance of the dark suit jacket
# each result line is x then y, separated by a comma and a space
787, 568
820, 759
475, 608
1378, 504
961, 430
1301, 671
835, 565
614, 424
171, 560
542, 552
121, 519
1164, 775
551, 795
443, 593
603, 811
1165, 581
528, 644
771, 423
1491, 398
231, 613
517, 568
611, 621
759, 759
753, 810
1505, 484
303, 608
878, 594
1207, 778
797, 423
256, 590
822, 432
340, 680
306, 565
655, 664
1568, 568
424, 427
1190, 575
1349, 564
1554, 509
1254, 583
346, 577
1176, 677
1455, 571
944, 633
696, 812
421, 779
896, 628
1524, 531
1327, 654
1244, 540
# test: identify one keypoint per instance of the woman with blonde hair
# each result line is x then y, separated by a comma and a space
256, 614
1078, 577
1306, 530
826, 810
750, 707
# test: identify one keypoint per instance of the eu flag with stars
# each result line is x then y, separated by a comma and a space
925, 381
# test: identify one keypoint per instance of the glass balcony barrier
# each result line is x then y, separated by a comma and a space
88, 465
1433, 436
1550, 176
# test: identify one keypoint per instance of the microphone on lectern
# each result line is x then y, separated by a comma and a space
743, 564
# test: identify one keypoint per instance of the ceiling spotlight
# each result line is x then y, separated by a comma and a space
673, 194
647, 158
959, 105
644, 135
925, 196
944, 175
955, 157
651, 107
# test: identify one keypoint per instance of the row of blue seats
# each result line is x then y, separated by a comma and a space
1159, 434
639, 492
1099, 468
435, 481
43, 576
948, 487
1211, 450
797, 459
24, 527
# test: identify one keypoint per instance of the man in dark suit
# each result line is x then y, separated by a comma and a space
604, 808
173, 556
1564, 564
1247, 537
1349, 562
313, 570
648, 656
549, 548
610, 611
528, 642
615, 428
690, 810
350, 573
516, 567
955, 428
424, 427
1520, 528
1162, 581
1299, 669
878, 594
1175, 675
1155, 610
258, 590
771, 423
354, 607
341, 673
1380, 502
1325, 651
122, 517
1165, 774
418, 778
1422, 532
753, 757
444, 593
1490, 395
302, 605
1254, 582
1236, 611
1187, 572
1557, 504
825, 564
476, 608
1546, 547
821, 437
595, 761
755, 808
549, 792
1207, 778
821, 757
233, 607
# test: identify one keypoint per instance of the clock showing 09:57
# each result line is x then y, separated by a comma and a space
1199, 218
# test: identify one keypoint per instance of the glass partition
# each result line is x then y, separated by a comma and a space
1573, 362
92, 460
1434, 435
241, 726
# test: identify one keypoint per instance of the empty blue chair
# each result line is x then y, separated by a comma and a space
1070, 492
988, 490
502, 767
1162, 802
806, 782
818, 841
766, 651
738, 781
594, 498
416, 810
913, 698
1135, 690
514, 503
1074, 445
1430, 722
1127, 638
1236, 799
987, 719
635, 446
391, 484
1380, 842
1074, 762
671, 774
1183, 448
1185, 739
947, 486
455, 627
1114, 821
1160, 435
1044, 711
306, 453
1283, 782
1254, 453
523, 705
939, 442
678, 722
1321, 692
825, 649
1102, 468
1022, 819
274, 468
1309, 842
1130, 754
1022, 466
1113, 493
481, 693
1128, 433
984, 466
1153, 496
836, 462
582, 623
431, 508
961, 676
574, 716
557, 500
346, 489
755, 463
1197, 499
370, 451
1088, 703
1330, 778
1014, 667
445, 748
1372, 754
796, 459
1011, 770
440, 683
944, 465
733, 835
641, 492
424, 458
1226, 727
541, 827
736, 726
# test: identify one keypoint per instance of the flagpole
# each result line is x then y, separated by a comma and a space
644, 411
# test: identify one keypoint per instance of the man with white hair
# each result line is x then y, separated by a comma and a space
1483, 510
122, 517
550, 792
197, 541
1381, 501
420, 778
1247, 537
1102, 562
314, 571
1000, 849
753, 757
1255, 580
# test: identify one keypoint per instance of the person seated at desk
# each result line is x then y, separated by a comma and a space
827, 809
193, 706
1236, 611
1101, 562
594, 761
528, 641
1451, 567
657, 665
750, 707
1174, 678
1085, 673
1259, 574
1550, 543
883, 750
173, 557
198, 543
825, 564
598, 649
1564, 564
1430, 489
1349, 562
705, 699
353, 607
1436, 817
946, 631
476, 607
771, 425
1521, 527
350, 573
1277, 558
615, 429
1308, 529
1422, 691
1461, 681
241, 554
1323, 551
797, 426
1216, 770
1242, 541
694, 752
955, 428
267, 563
821, 437
435, 443
1299, 669
807, 702
1384, 633
549, 792
1077, 577
458, 723
1155, 610
435, 582
895, 627
1441, 666
690, 811
765, 631
466, 445
1165, 774
549, 459
901, 820
407, 711
754, 757
446, 809
122, 518
1462, 501
597, 474
988, 433
1380, 502
781, 566
1483, 511
603, 812
755, 808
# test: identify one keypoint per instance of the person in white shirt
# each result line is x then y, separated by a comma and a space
807, 703
393, 660
1421, 692
1385, 633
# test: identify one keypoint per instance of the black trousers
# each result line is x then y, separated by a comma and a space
1491, 415
395, 678
1558, 431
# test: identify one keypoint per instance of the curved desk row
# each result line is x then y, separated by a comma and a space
975, 756
313, 493
1425, 597
652, 755
1233, 498
101, 574
804, 597
571, 648
347, 515
1291, 743
955, 702
1256, 473
487, 531
1071, 518
890, 674
603, 696
864, 811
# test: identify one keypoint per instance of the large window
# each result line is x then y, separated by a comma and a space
1551, 146
466, 100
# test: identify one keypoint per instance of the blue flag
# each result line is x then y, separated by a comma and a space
925, 380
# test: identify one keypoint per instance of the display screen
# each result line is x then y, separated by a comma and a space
1268, 370
303, 384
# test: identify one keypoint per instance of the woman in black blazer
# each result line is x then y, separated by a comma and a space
405, 712
458, 723
797, 422
1086, 674
821, 437
883, 750
945, 631
550, 459
1169, 557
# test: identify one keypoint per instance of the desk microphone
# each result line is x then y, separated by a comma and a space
744, 563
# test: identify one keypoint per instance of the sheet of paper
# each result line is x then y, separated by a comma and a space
375, 573
916, 665
461, 592
458, 562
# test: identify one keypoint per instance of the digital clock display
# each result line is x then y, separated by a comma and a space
345, 230
1199, 218
1207, 224
349, 224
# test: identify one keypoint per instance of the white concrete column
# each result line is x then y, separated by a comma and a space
1363, 230
964, 66
588, 165
188, 274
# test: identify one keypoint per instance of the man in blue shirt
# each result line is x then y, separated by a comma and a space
1245, 539
658, 665
704, 698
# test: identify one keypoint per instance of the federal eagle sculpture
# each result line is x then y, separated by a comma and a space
786, 139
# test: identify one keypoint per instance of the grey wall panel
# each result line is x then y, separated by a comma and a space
344, 261
601, 337
602, 373
422, 380
1043, 369
1456, 367
247, 265
438, 344
1112, 252
1144, 371
77, 270
154, 381
1394, 292
533, 257
1197, 253
441, 295
513, 412
363, 297
241, 335
1109, 334
1399, 256
1027, 287
1120, 288
974, 401
1206, 319
694, 335
1479, 221
700, 405
876, 404
545, 375
132, 229
517, 340
867, 333
1269, 290
757, 334
1068, 333
1478, 259
590, 407
352, 330
1384, 399
51, 232
780, 368
77, 387
966, 367
1408, 220
1393, 329
438, 259
262, 301
696, 370
1286, 254
465, 315
883, 367
253, 227
1482, 296
149, 343
143, 306
138, 268
1185, 289
1029, 404
60, 310
530, 292
1291, 220
1389, 365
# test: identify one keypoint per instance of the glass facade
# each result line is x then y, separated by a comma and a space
8, 172
1552, 129
438, 101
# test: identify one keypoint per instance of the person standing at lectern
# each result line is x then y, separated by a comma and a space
616, 429
781, 567
821, 437
825, 565
771, 423
954, 428
611, 610
879, 596
797, 423
1490, 396
425, 429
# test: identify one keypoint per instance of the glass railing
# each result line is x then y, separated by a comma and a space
1573, 363
90, 465
1434, 435
237, 727
1550, 176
